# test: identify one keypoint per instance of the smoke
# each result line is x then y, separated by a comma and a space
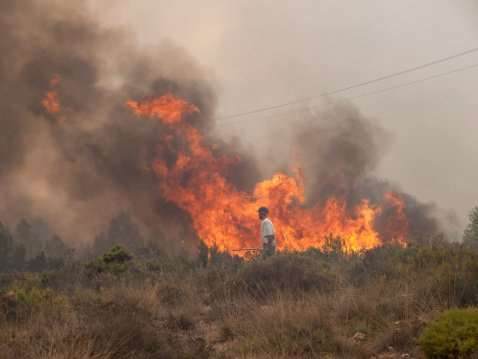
79, 167
339, 151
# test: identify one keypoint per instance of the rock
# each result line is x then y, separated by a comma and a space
387, 356
359, 336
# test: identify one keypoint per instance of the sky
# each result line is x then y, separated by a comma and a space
266, 52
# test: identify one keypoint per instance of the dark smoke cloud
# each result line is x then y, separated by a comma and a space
80, 168
339, 150
80, 171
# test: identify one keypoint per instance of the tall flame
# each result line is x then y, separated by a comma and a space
225, 217
398, 226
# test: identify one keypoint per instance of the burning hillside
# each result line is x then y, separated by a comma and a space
226, 218
72, 154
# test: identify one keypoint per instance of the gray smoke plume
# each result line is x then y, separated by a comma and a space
78, 168
339, 150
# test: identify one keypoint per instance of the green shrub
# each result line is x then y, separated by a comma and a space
24, 297
114, 261
116, 254
453, 335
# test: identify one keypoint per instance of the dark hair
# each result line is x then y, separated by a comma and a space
263, 210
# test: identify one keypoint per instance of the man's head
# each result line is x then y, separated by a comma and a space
263, 212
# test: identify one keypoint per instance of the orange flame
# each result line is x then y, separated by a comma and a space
399, 226
51, 101
169, 108
226, 218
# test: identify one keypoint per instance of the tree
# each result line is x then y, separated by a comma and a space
26, 236
18, 257
122, 231
35, 236
56, 248
6, 245
38, 264
471, 232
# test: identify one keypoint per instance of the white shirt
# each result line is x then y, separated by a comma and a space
267, 229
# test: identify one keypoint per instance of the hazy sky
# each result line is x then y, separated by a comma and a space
264, 52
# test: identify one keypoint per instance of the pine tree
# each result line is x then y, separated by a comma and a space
18, 257
122, 231
6, 245
25, 236
56, 248
471, 232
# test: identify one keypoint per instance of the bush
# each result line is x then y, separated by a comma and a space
22, 298
113, 261
283, 272
122, 323
453, 335
285, 328
116, 254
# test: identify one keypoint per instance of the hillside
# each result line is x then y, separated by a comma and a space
315, 304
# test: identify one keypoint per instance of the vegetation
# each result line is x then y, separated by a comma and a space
471, 232
382, 303
32, 247
453, 335
128, 302
114, 261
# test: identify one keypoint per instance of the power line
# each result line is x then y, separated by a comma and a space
350, 87
387, 89
442, 74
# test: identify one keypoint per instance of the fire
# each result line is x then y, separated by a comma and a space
399, 225
51, 101
169, 108
225, 217
55, 80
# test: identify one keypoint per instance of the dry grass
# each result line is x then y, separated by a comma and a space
122, 321
290, 306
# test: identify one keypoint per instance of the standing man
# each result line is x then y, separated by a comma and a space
268, 237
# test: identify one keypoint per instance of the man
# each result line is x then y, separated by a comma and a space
267, 233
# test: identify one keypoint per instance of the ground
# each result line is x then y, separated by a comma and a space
316, 304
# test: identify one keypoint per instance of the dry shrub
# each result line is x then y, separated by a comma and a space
121, 322
445, 274
387, 313
292, 305
23, 298
135, 319
286, 327
289, 273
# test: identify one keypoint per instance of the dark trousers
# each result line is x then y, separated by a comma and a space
268, 249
